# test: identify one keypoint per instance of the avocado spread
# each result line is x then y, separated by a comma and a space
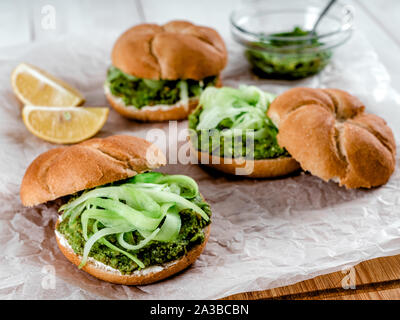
289, 59
140, 92
112, 251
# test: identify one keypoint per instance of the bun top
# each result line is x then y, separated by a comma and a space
176, 50
330, 135
95, 162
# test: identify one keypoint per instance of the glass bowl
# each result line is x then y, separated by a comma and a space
265, 29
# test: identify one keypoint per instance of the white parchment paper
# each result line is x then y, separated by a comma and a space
265, 233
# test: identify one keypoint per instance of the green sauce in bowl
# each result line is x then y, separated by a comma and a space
279, 58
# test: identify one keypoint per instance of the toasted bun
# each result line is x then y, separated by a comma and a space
178, 111
268, 168
141, 277
176, 50
330, 135
95, 162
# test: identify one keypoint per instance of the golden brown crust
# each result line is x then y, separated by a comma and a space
268, 168
140, 278
297, 98
178, 111
330, 135
176, 50
66, 170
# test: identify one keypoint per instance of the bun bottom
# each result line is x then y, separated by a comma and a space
178, 111
141, 277
266, 168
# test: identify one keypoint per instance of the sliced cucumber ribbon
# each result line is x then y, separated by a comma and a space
245, 108
112, 247
184, 91
170, 228
181, 203
140, 219
148, 203
97, 236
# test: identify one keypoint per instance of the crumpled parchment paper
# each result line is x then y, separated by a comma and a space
265, 233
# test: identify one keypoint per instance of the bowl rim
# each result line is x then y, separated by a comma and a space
262, 37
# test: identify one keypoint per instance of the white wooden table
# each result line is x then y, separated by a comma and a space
24, 21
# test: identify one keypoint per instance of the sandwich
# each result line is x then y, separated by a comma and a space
231, 132
329, 133
159, 71
120, 221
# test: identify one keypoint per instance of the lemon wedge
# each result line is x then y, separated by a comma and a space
64, 125
36, 87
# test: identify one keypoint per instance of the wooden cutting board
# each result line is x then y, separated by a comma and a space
372, 279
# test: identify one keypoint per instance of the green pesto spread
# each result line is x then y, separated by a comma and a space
140, 92
255, 135
287, 62
155, 252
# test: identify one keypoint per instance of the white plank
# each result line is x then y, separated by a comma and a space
214, 13
386, 13
14, 22
54, 17
378, 19
49, 19
387, 49
103, 16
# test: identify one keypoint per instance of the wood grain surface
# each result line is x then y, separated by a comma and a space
376, 279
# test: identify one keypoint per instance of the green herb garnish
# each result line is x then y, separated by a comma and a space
140, 92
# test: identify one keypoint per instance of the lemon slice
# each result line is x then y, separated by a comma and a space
64, 125
36, 87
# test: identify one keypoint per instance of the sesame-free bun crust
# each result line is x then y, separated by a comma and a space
330, 135
137, 278
176, 50
266, 168
95, 162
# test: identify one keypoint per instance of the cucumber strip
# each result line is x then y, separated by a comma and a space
138, 246
131, 215
75, 212
95, 237
170, 228
187, 184
161, 182
164, 208
141, 201
112, 247
184, 91
181, 203
104, 192
106, 217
